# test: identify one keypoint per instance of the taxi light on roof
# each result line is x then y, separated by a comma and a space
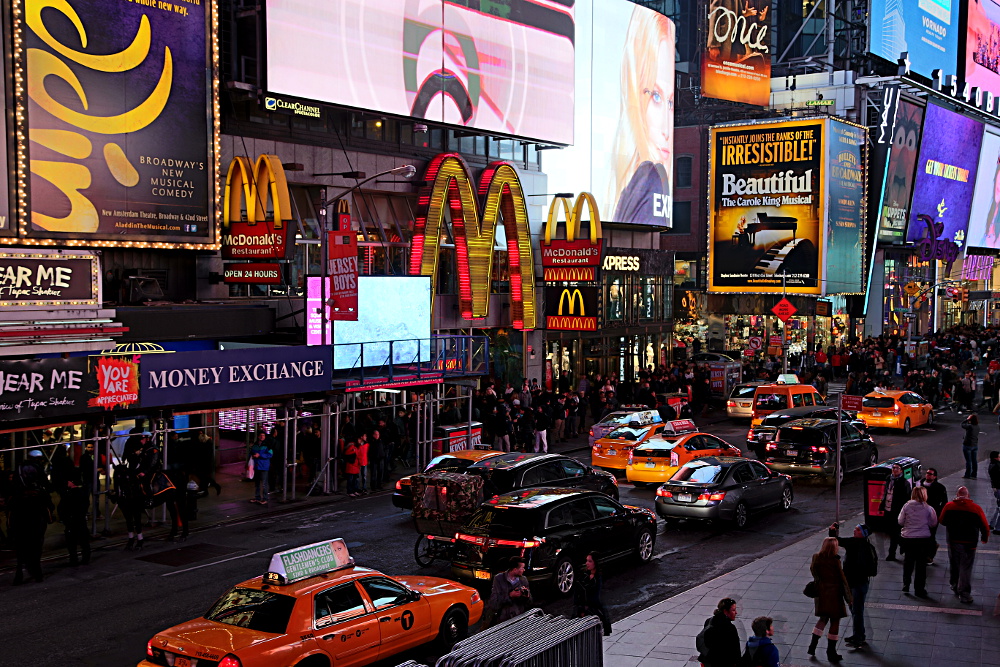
300, 563
230, 661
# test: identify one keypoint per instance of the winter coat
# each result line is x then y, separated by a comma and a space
263, 462
362, 451
917, 519
965, 522
860, 559
937, 496
831, 586
994, 471
767, 653
723, 642
900, 495
501, 606
351, 466
971, 435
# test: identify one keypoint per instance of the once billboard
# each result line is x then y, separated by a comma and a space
984, 221
766, 197
624, 139
946, 175
120, 121
496, 66
899, 173
736, 62
926, 29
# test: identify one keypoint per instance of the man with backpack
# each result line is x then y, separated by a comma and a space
761, 651
718, 643
860, 565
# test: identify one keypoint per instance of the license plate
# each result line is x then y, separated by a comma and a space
744, 405
483, 574
650, 464
684, 497
181, 661
612, 452
876, 414
792, 452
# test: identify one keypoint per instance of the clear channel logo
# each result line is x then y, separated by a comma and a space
270, 103
297, 108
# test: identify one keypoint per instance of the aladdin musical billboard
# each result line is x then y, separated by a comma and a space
981, 55
119, 117
899, 173
925, 29
984, 221
624, 139
500, 67
946, 177
766, 196
736, 63
845, 220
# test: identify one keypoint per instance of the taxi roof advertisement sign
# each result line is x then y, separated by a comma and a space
310, 560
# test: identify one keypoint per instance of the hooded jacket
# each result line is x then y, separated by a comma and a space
964, 519
767, 653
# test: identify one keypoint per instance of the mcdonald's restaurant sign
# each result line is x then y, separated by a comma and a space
571, 308
572, 259
257, 212
474, 228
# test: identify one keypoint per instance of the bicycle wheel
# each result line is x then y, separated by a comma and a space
424, 551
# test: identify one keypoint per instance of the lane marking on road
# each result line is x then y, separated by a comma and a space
224, 560
939, 610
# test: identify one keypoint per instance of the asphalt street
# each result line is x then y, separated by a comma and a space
103, 614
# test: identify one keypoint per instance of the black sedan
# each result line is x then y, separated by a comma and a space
759, 436
553, 529
722, 488
505, 473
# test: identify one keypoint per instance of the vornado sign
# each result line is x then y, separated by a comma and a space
572, 259
502, 197
571, 308
257, 210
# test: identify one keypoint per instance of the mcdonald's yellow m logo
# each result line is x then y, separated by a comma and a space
574, 297
256, 189
502, 200
571, 259
572, 216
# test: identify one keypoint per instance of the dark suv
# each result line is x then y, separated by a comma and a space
759, 436
508, 472
553, 529
809, 446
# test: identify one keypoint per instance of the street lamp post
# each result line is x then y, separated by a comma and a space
406, 171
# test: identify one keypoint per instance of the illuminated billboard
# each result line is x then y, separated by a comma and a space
499, 67
736, 62
982, 45
899, 173
984, 221
766, 207
946, 175
843, 244
120, 122
926, 29
624, 139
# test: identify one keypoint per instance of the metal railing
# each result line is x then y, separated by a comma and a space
414, 359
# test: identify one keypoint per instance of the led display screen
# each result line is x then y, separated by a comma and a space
899, 173
623, 151
845, 219
497, 66
982, 45
736, 63
946, 176
119, 120
926, 29
984, 222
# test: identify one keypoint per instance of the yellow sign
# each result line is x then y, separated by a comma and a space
572, 259
256, 189
567, 308
574, 297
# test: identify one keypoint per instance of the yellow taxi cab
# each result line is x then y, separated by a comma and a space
315, 607
893, 408
782, 395
611, 452
658, 458
623, 416
456, 461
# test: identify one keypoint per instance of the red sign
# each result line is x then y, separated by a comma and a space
852, 403
784, 309
775, 340
117, 382
342, 248
249, 230
571, 260
253, 274
755, 342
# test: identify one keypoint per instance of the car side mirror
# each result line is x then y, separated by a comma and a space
415, 595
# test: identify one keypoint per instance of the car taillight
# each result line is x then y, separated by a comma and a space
591, 432
712, 496
895, 411
399, 485
475, 597
771, 447
821, 450
663, 493
149, 648
462, 537
730, 404
230, 661
630, 457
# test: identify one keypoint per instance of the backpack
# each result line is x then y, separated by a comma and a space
752, 658
871, 561
700, 643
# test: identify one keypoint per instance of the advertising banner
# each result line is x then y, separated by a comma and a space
499, 67
736, 63
984, 221
252, 274
315, 322
981, 56
42, 278
183, 378
117, 381
926, 29
257, 213
900, 172
120, 121
571, 308
42, 388
343, 272
766, 198
574, 259
845, 220
623, 148
946, 175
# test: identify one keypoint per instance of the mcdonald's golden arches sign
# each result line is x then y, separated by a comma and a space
572, 259
257, 210
571, 308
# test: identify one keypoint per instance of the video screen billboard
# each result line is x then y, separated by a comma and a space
495, 66
946, 174
926, 29
766, 197
736, 63
899, 173
982, 45
120, 129
845, 219
624, 139
984, 221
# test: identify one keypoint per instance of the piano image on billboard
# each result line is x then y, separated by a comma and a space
769, 242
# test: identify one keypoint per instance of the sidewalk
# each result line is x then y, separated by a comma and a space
902, 630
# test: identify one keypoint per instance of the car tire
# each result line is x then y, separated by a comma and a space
873, 458
563, 576
741, 515
787, 496
906, 425
644, 546
423, 551
930, 418
454, 627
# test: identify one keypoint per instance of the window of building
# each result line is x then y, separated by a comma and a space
682, 171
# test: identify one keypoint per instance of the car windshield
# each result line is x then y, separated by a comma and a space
878, 402
447, 463
766, 401
744, 391
252, 609
503, 522
793, 435
700, 472
627, 433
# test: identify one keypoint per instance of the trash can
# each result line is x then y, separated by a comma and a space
874, 479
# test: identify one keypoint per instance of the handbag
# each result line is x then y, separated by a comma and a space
811, 590
250, 469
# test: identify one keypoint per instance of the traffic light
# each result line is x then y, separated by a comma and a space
965, 294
